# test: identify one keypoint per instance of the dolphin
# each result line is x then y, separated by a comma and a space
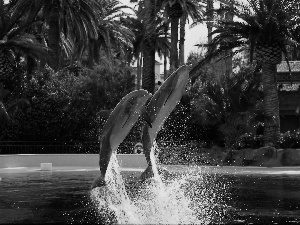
159, 108
117, 126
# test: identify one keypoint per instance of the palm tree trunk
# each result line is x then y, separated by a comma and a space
210, 18
182, 39
148, 79
271, 103
174, 64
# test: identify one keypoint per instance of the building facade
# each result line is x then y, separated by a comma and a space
289, 95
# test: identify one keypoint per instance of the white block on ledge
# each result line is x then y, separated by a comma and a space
46, 166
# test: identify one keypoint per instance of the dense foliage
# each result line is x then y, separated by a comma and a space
289, 139
63, 62
224, 108
64, 107
263, 27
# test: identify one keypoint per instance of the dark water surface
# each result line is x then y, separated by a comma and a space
266, 199
63, 197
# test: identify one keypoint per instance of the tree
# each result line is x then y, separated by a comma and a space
210, 19
162, 43
263, 27
70, 24
175, 9
151, 7
114, 36
197, 18
17, 43
64, 106
232, 112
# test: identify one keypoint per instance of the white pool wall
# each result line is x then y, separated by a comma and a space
137, 161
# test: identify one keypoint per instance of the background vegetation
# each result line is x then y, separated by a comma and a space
65, 64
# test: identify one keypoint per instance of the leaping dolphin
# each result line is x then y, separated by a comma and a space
117, 126
159, 108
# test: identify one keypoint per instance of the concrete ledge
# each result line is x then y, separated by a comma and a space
60, 160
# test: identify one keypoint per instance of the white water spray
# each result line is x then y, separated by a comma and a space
156, 201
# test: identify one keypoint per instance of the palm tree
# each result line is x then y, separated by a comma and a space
162, 44
151, 8
175, 9
113, 34
263, 27
136, 25
69, 23
226, 15
148, 80
15, 42
210, 18
234, 112
198, 18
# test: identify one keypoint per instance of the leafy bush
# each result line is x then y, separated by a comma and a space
249, 140
106, 86
290, 139
228, 104
57, 112
64, 107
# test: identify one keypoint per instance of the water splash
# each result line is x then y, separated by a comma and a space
174, 199
112, 200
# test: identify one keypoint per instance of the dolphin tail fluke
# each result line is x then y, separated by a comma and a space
98, 182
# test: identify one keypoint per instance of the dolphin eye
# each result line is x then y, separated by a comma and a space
131, 103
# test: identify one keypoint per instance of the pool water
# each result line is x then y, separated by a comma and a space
44, 197
219, 195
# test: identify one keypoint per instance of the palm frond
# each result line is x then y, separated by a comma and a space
258, 23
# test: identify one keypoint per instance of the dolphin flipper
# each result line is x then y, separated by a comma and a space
117, 126
160, 107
